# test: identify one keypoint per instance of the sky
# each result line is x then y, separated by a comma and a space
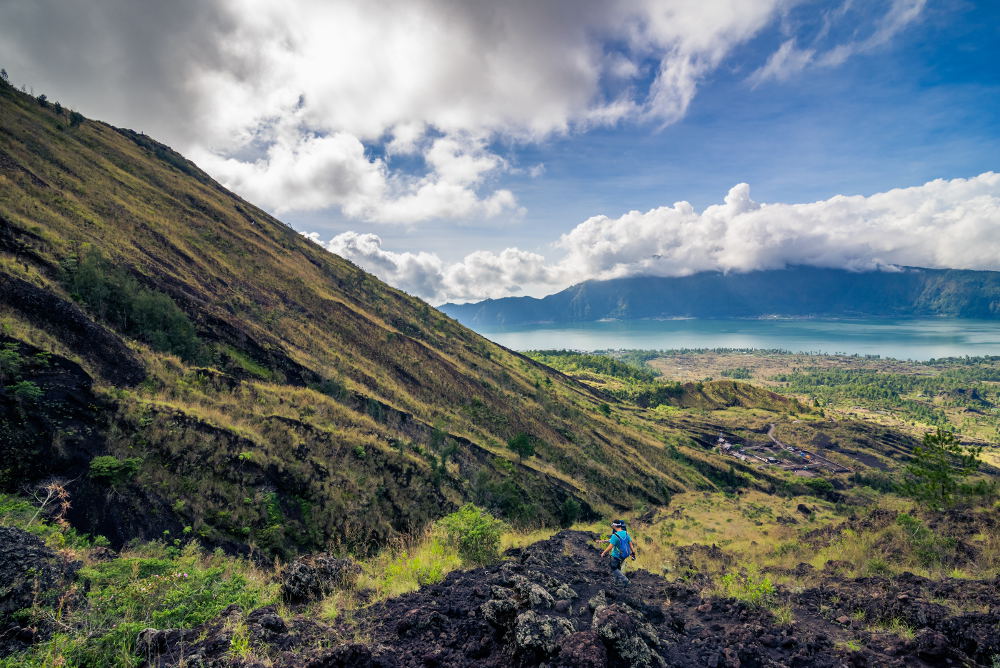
469, 150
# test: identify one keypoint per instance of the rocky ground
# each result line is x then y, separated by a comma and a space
553, 604
30, 574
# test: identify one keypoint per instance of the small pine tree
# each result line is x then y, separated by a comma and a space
935, 474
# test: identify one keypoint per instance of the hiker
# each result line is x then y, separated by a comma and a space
621, 547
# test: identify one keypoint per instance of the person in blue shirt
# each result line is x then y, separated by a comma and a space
621, 547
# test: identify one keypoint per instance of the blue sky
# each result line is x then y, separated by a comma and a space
924, 106
457, 149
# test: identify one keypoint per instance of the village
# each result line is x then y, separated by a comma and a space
799, 461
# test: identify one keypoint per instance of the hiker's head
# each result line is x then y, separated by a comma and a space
618, 524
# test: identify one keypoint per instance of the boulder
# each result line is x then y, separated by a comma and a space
534, 595
539, 635
626, 634
313, 577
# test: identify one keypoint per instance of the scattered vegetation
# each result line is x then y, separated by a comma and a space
116, 297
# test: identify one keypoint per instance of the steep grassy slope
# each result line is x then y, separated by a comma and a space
252, 388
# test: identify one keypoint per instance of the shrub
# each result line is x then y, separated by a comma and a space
569, 512
820, 487
523, 445
117, 298
929, 548
474, 534
10, 362
25, 391
112, 470
748, 586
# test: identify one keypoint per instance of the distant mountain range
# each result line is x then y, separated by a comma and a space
795, 291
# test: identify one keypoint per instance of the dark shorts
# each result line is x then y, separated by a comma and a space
616, 564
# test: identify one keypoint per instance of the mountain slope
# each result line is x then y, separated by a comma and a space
199, 367
796, 291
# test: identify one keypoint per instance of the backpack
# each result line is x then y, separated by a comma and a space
625, 547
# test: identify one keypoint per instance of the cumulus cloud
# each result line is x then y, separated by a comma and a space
480, 275
308, 104
953, 224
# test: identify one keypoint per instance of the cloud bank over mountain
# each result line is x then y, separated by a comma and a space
395, 111
941, 224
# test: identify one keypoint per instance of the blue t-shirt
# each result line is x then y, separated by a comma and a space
616, 540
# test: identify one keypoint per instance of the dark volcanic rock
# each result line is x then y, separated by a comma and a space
504, 616
30, 573
310, 578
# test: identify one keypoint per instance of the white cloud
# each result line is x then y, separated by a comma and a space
418, 273
953, 224
392, 111
787, 61
790, 60
280, 100
942, 223
480, 275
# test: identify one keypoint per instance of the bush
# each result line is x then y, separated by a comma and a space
820, 487
10, 362
132, 593
117, 298
523, 445
25, 391
474, 534
748, 586
569, 512
929, 548
114, 471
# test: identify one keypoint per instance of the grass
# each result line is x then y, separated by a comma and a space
154, 585
748, 585
895, 626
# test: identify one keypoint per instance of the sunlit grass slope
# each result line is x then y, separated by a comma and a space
313, 405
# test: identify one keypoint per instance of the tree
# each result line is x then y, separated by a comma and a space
523, 445
934, 475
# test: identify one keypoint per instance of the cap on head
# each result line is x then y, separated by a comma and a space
618, 523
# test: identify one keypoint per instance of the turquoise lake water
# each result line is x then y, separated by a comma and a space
902, 339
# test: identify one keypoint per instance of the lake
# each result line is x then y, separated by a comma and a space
902, 339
